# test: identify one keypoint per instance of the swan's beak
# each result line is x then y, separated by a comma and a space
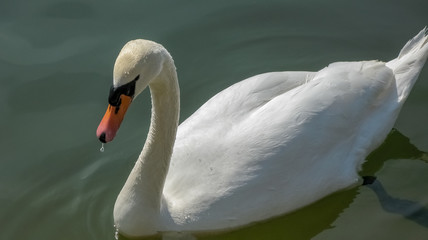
112, 119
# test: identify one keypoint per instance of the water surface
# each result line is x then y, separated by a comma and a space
56, 62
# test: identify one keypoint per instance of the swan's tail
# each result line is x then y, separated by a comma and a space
409, 63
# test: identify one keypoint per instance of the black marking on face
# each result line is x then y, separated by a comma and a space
115, 93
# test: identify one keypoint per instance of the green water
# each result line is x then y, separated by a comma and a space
56, 61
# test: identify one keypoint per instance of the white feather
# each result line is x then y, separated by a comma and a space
265, 146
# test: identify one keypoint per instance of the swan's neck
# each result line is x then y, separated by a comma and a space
138, 204
157, 150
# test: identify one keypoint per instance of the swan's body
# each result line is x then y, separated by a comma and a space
265, 146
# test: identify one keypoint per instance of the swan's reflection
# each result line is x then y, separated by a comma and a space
409, 209
396, 146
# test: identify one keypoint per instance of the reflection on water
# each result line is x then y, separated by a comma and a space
395, 146
411, 210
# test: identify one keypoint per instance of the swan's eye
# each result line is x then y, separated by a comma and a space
127, 89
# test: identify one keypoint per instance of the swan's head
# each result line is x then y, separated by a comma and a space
137, 65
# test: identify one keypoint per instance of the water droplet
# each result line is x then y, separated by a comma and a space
102, 147
187, 218
116, 233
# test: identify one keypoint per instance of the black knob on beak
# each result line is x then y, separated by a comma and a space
102, 137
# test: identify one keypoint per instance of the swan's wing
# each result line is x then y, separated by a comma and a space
236, 102
261, 148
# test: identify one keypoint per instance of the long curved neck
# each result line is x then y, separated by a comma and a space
158, 147
138, 204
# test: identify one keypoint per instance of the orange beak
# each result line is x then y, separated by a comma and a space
112, 119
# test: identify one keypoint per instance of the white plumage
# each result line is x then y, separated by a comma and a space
265, 146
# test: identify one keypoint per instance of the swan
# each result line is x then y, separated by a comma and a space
263, 147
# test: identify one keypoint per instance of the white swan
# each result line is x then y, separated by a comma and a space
263, 147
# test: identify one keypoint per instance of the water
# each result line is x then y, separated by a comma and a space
56, 62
